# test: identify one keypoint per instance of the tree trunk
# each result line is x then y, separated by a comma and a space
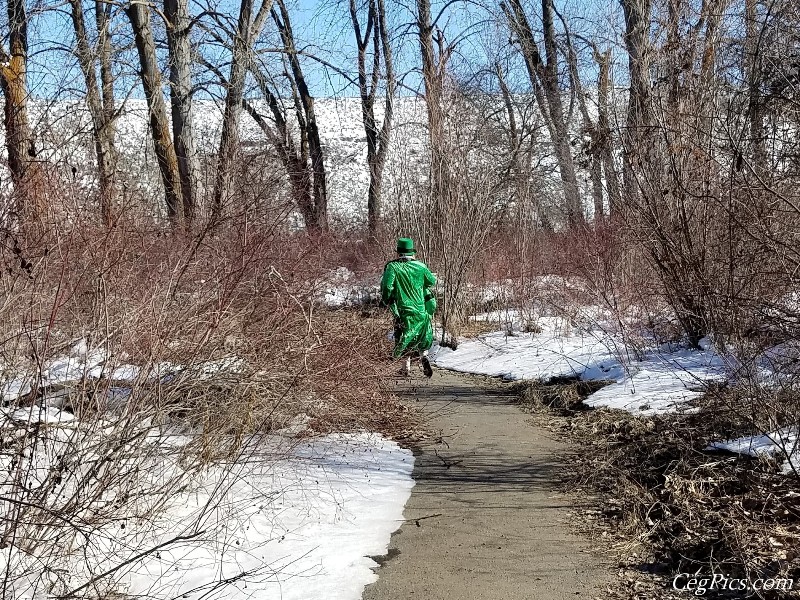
566, 165
605, 140
19, 139
102, 118
377, 138
139, 16
433, 70
388, 118
752, 68
543, 75
297, 168
589, 128
308, 122
517, 174
637, 43
247, 30
110, 156
296, 165
229, 139
180, 78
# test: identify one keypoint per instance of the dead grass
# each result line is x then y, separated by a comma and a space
563, 395
473, 328
230, 343
664, 504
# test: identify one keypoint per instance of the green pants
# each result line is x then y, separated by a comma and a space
413, 333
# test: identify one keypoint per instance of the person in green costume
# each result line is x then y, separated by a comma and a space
406, 289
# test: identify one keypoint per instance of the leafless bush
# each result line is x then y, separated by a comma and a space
666, 503
134, 361
453, 229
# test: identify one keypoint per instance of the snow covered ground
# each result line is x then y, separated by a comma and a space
301, 527
784, 444
657, 380
662, 381
284, 517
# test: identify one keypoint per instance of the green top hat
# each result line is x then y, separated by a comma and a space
405, 246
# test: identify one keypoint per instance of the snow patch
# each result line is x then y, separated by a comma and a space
292, 520
782, 443
343, 290
662, 380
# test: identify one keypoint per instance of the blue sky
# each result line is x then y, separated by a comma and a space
322, 28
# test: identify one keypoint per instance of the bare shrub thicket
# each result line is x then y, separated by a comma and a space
714, 204
672, 507
453, 230
136, 360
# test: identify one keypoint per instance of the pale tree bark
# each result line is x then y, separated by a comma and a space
229, 139
605, 139
374, 32
589, 127
306, 117
180, 78
19, 139
601, 167
543, 73
638, 120
247, 30
99, 100
434, 56
139, 16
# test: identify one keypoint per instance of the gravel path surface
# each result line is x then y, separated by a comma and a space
485, 519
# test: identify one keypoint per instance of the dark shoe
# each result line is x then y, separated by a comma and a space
426, 366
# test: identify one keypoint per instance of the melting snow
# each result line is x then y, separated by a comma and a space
662, 381
292, 521
783, 443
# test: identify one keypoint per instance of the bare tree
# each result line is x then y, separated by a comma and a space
248, 29
99, 97
180, 78
308, 190
673, 179
543, 73
19, 138
434, 55
521, 130
293, 156
306, 118
637, 43
376, 34
139, 16
600, 145
516, 167
588, 126
604, 142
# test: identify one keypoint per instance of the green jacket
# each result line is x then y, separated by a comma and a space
405, 289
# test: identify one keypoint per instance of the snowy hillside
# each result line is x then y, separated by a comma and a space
63, 141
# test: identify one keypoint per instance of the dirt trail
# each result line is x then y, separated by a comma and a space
485, 519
